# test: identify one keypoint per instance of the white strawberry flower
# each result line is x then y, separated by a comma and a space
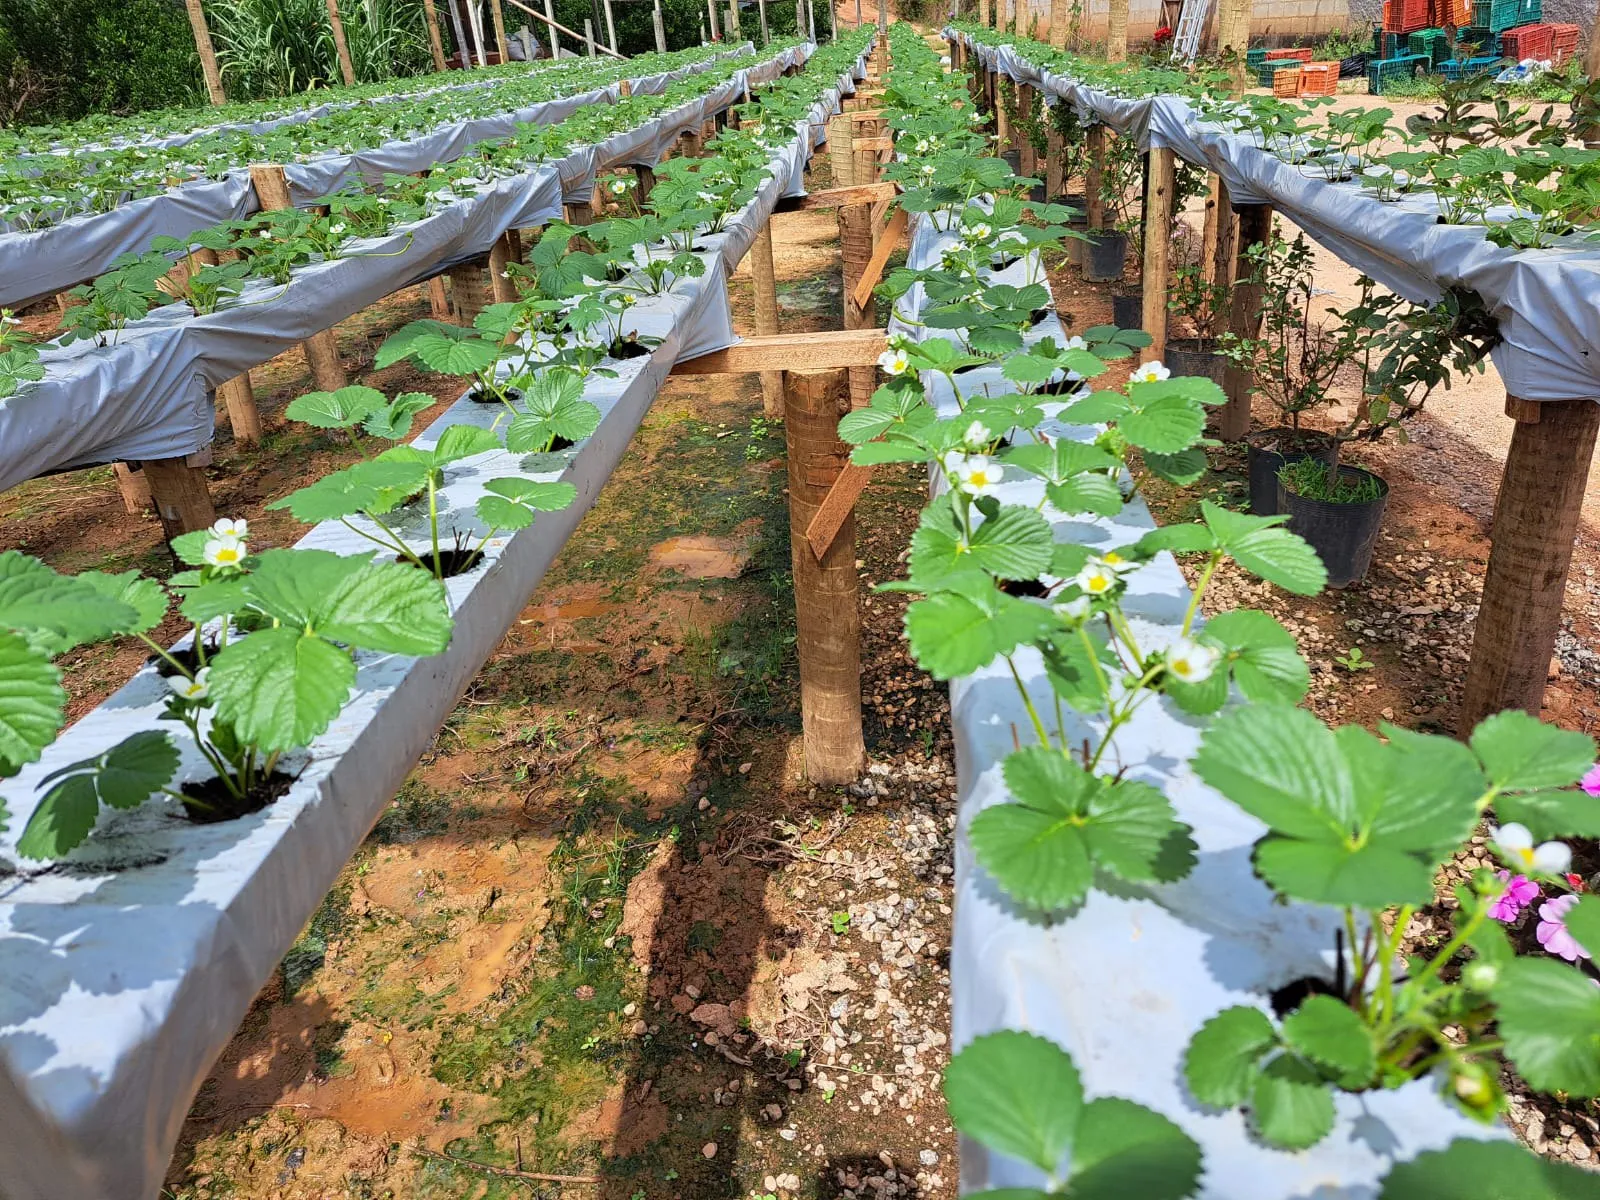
894, 362
1118, 562
226, 528
922, 145
1097, 577
7, 319
708, 197
977, 434
974, 474
1073, 610
1516, 845
1191, 661
928, 170
1150, 372
978, 233
185, 688
224, 552
1075, 342
337, 229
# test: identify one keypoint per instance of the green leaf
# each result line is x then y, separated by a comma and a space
1282, 766
1095, 409
1059, 462
146, 597
514, 503
1098, 494
190, 548
1168, 424
1583, 922
32, 701
872, 454
1290, 1106
1499, 1170
393, 421
954, 635
1180, 539
1522, 753
1552, 814
371, 486
56, 612
1017, 1094
124, 776
1329, 873
1330, 1034
1263, 655
281, 687
462, 441
1549, 1015
1259, 546
1183, 468
1013, 544
1123, 1150
449, 355
336, 410
1222, 1061
388, 607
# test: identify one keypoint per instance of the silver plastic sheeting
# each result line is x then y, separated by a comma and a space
1547, 301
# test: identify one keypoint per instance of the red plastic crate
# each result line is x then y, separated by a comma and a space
1304, 55
1319, 79
1404, 16
1526, 41
1563, 43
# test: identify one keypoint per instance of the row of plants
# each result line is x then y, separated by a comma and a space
260, 255
1356, 822
38, 191
272, 651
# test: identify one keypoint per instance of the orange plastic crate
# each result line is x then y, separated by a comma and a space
1404, 16
1563, 43
1319, 79
1304, 55
1286, 82
1457, 13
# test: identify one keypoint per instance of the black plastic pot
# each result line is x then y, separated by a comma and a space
1264, 458
1127, 310
1013, 159
1105, 255
1193, 356
1078, 224
1343, 535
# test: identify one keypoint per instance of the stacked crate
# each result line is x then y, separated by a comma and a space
1455, 12
1253, 58
1385, 72
1270, 69
1496, 16
1298, 53
1526, 41
1482, 65
1287, 81
1319, 79
1563, 43
1432, 43
1406, 16
1487, 42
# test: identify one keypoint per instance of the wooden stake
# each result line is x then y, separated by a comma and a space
827, 611
463, 50
764, 284
841, 156
790, 352
498, 12
1029, 160
438, 299
581, 213
735, 31
1214, 215
550, 17
1060, 18
208, 55
588, 37
983, 13
468, 285
178, 489
661, 28
1233, 33
761, 10
1158, 192
321, 349
135, 488
236, 394
1536, 519
342, 48
435, 43
500, 287
1117, 31
611, 27
855, 252
1094, 178
1254, 228
716, 26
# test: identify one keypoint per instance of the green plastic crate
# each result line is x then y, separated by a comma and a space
1498, 15
1387, 71
1452, 69
1530, 12
1270, 68
1487, 41
1254, 58
1429, 42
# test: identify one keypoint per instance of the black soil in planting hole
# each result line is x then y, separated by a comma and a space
1001, 262
615, 274
1296, 992
972, 367
450, 562
1038, 315
208, 801
1024, 587
1061, 387
189, 657
560, 443
626, 348
479, 396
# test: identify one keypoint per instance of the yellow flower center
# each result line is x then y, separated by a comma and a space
980, 478
1180, 666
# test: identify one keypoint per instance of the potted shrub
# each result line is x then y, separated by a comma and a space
1205, 307
1107, 251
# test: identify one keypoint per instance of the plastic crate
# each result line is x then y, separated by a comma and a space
1390, 45
1298, 53
1497, 15
1319, 79
1530, 12
1255, 57
1486, 41
1526, 41
1403, 16
1456, 13
1452, 69
1287, 82
1271, 67
1389, 70
1563, 43
1431, 42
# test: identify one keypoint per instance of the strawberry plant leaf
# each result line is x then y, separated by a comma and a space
1290, 1106
1017, 1094
1262, 547
281, 687
121, 777
1467, 1169
1122, 1149
1332, 1035
32, 701
1222, 1061
1522, 753
1549, 1016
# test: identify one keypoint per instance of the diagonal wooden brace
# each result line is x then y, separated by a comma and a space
887, 241
837, 505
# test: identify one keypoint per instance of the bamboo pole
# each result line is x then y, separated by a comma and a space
555, 25
435, 43
208, 55
342, 48
1254, 228
611, 26
498, 12
321, 349
716, 25
764, 285
1161, 183
588, 37
550, 17
463, 51
761, 10
1536, 519
827, 611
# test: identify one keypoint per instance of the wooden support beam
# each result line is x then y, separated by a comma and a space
1210, 229
438, 299
435, 43
498, 12
861, 193
341, 48
1162, 183
611, 26
208, 54
1094, 178
469, 288
135, 488
826, 589
1117, 31
887, 241
500, 256
837, 506
1055, 152
237, 397
841, 155
1536, 519
764, 285
549, 19
873, 145
321, 349
827, 350
1028, 160
178, 489
855, 252
1254, 228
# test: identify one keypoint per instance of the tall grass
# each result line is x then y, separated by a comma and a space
277, 47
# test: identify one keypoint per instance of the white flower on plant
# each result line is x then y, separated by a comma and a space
977, 435
894, 362
978, 233
228, 528
1076, 342
1097, 578
922, 145
927, 170
974, 474
1516, 845
337, 229
224, 552
1150, 372
185, 688
975, 117
1119, 563
7, 319
709, 197
1075, 609
1190, 661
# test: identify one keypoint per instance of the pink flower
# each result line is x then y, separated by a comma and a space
1520, 892
1552, 932
1591, 780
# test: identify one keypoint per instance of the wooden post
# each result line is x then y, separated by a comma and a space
858, 13
1054, 155
1219, 271
716, 27
855, 252
208, 55
764, 285
833, 21
342, 48
1029, 161
321, 349
1162, 177
1003, 133
1094, 177
865, 169
236, 394
588, 37
580, 213
1060, 18
463, 50
661, 28
1233, 33
135, 488
498, 12
761, 10
469, 287
500, 254
735, 31
1535, 523
983, 13
840, 155
1254, 227
435, 43
178, 490
438, 299
647, 181
550, 16
1117, 31
827, 611
611, 27
1216, 213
